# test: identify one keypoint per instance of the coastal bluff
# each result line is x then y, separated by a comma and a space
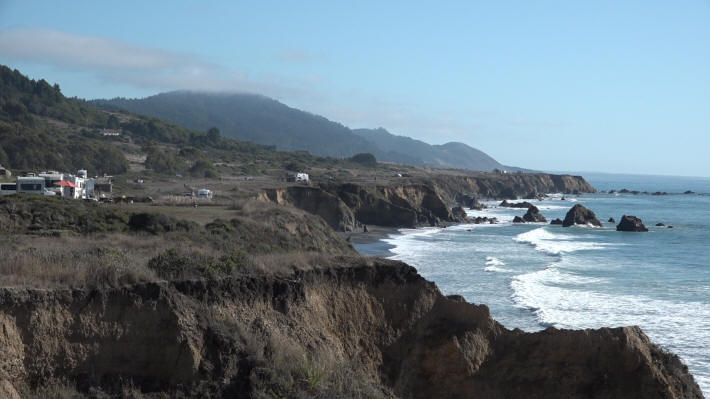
374, 325
417, 201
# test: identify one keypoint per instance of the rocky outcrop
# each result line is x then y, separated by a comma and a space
459, 214
630, 223
523, 205
533, 215
469, 202
316, 201
578, 214
416, 202
611, 220
518, 219
556, 221
484, 220
371, 326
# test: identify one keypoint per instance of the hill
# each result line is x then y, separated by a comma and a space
266, 121
41, 129
449, 155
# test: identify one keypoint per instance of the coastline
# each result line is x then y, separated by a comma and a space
371, 243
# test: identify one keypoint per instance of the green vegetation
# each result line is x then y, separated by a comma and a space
40, 129
365, 159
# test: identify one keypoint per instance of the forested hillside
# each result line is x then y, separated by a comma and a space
269, 122
40, 128
250, 117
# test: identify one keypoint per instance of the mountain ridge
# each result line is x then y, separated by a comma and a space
267, 121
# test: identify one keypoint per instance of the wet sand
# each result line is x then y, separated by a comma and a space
370, 243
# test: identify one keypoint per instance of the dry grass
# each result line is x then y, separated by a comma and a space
54, 263
104, 260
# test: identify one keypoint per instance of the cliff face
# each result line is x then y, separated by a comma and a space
415, 203
376, 321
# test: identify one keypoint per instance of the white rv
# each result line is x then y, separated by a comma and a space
8, 188
204, 193
32, 185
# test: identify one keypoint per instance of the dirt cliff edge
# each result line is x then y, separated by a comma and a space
378, 322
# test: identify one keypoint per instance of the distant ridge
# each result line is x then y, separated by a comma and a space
266, 121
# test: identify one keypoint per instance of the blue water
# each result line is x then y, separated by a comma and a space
535, 275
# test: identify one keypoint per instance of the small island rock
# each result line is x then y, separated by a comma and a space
578, 214
533, 215
631, 223
556, 221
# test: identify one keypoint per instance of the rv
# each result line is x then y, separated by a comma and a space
204, 193
298, 177
8, 188
32, 185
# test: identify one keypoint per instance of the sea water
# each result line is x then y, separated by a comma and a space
537, 275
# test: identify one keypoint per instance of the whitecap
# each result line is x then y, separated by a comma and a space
565, 300
555, 244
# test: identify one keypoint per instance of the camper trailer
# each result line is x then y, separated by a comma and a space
8, 188
204, 193
296, 177
32, 185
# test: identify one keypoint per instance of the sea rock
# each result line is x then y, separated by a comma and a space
578, 214
533, 215
689, 192
523, 204
660, 224
518, 219
470, 202
458, 213
624, 191
612, 220
535, 195
484, 220
631, 223
660, 193
556, 221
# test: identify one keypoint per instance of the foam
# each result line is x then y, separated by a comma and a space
494, 264
555, 244
492, 261
565, 300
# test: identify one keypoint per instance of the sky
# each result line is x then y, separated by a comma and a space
608, 86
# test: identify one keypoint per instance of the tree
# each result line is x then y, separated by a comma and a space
213, 135
365, 159
113, 122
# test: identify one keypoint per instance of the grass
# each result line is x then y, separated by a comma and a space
55, 242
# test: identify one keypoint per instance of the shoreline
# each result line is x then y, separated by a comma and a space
371, 243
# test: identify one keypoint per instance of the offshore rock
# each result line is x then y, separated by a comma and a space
523, 204
533, 215
580, 215
631, 223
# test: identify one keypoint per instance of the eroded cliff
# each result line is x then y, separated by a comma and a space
347, 327
415, 202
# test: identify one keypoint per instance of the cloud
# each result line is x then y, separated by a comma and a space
114, 61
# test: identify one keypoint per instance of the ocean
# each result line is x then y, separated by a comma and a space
536, 275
